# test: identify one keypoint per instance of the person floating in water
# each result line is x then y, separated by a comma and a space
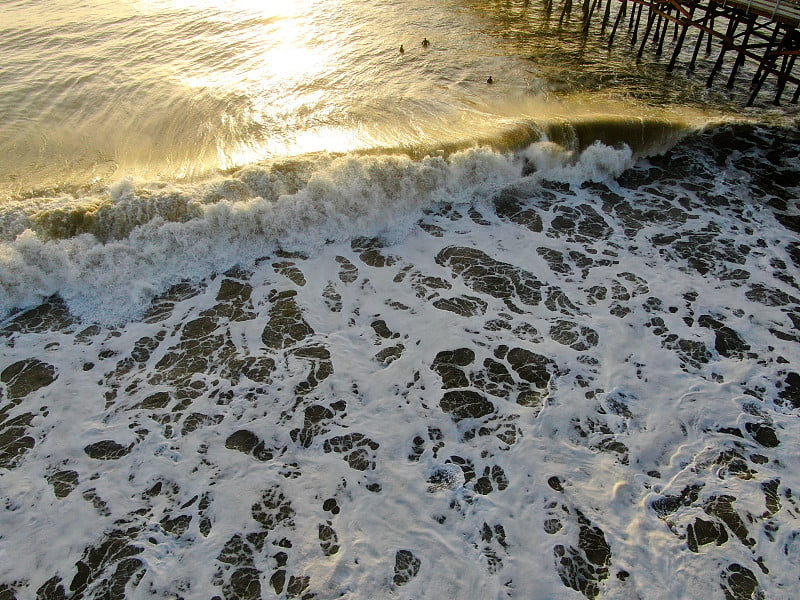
402, 49
425, 43
490, 80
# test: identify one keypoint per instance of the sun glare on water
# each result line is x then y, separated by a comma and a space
272, 56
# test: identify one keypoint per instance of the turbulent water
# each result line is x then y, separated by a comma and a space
287, 313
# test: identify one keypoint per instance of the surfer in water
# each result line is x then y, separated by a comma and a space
490, 80
425, 42
402, 50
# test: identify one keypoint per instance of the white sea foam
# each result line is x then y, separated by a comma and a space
293, 417
144, 239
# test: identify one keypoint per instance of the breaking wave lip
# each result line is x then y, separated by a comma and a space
108, 253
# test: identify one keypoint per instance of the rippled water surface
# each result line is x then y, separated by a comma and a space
94, 90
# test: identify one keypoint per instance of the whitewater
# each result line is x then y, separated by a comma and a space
532, 343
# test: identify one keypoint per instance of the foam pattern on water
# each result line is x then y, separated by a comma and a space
562, 389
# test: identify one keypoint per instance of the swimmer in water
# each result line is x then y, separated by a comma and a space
490, 80
425, 43
402, 49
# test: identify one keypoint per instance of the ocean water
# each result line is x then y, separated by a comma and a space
287, 313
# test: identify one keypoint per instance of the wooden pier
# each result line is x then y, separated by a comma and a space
761, 31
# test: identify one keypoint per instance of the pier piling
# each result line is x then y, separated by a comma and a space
763, 32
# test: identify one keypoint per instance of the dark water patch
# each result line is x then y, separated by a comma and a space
318, 362
406, 567
417, 448
596, 432
703, 532
14, 439
448, 365
477, 217
286, 325
504, 429
63, 482
488, 276
580, 223
249, 443
197, 420
233, 301
465, 306
348, 272
202, 343
636, 215
435, 438
578, 337
101, 506
514, 206
234, 290
107, 450
706, 250
333, 299
555, 260
273, 510
740, 583
244, 584
557, 301
25, 377
331, 505
432, 229
238, 576
618, 403
328, 539
382, 330
763, 434
792, 223
645, 173
535, 370
791, 390
52, 589
290, 270
495, 546
316, 421
721, 507
107, 569
162, 306
51, 315
492, 478
733, 463
769, 296
610, 444
466, 404
772, 500
157, 400
388, 355
664, 506
356, 449
369, 251
236, 551
425, 286
142, 350
727, 342
494, 379
693, 353
582, 567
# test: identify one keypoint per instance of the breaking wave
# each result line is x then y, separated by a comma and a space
107, 251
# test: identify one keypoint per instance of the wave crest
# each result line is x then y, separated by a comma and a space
107, 254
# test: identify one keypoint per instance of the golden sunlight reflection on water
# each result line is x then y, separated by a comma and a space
178, 89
